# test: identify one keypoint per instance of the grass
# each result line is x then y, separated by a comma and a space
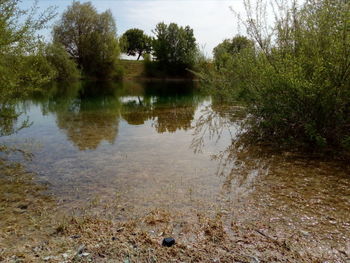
133, 69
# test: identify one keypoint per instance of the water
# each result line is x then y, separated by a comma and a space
166, 145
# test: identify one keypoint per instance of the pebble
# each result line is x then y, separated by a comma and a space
81, 249
254, 260
305, 233
168, 242
23, 206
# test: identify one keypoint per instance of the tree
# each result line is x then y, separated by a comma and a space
90, 38
59, 58
135, 42
174, 47
230, 47
23, 66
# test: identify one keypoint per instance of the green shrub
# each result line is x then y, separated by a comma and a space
296, 82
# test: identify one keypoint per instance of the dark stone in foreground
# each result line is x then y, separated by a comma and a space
168, 242
23, 206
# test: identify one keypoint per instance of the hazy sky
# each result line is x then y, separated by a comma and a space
212, 20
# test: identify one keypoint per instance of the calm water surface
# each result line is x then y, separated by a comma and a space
166, 145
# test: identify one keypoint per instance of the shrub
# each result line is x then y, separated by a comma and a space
296, 82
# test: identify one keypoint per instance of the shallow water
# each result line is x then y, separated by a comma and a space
165, 145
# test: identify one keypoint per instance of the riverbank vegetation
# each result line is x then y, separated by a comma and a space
23, 64
295, 79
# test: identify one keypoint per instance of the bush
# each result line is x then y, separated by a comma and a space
296, 83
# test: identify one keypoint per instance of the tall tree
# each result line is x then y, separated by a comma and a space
135, 42
90, 38
175, 47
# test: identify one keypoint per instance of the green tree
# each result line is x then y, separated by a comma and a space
65, 66
90, 38
175, 47
23, 66
135, 42
227, 49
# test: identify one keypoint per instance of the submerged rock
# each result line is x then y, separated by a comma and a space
168, 242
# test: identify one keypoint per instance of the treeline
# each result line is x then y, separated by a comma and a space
172, 52
294, 77
85, 44
92, 46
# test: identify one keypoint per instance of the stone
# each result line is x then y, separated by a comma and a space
168, 242
23, 206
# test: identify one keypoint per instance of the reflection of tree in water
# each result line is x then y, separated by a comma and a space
171, 106
172, 119
87, 129
235, 162
89, 112
89, 116
9, 123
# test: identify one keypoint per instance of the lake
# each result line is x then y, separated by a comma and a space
168, 145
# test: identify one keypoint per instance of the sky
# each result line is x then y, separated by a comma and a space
212, 20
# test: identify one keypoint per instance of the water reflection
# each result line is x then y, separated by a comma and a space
90, 112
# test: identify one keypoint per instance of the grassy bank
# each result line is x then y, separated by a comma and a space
132, 69
135, 70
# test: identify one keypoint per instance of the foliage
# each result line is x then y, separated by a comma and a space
23, 66
59, 59
135, 42
89, 38
230, 47
297, 81
174, 48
